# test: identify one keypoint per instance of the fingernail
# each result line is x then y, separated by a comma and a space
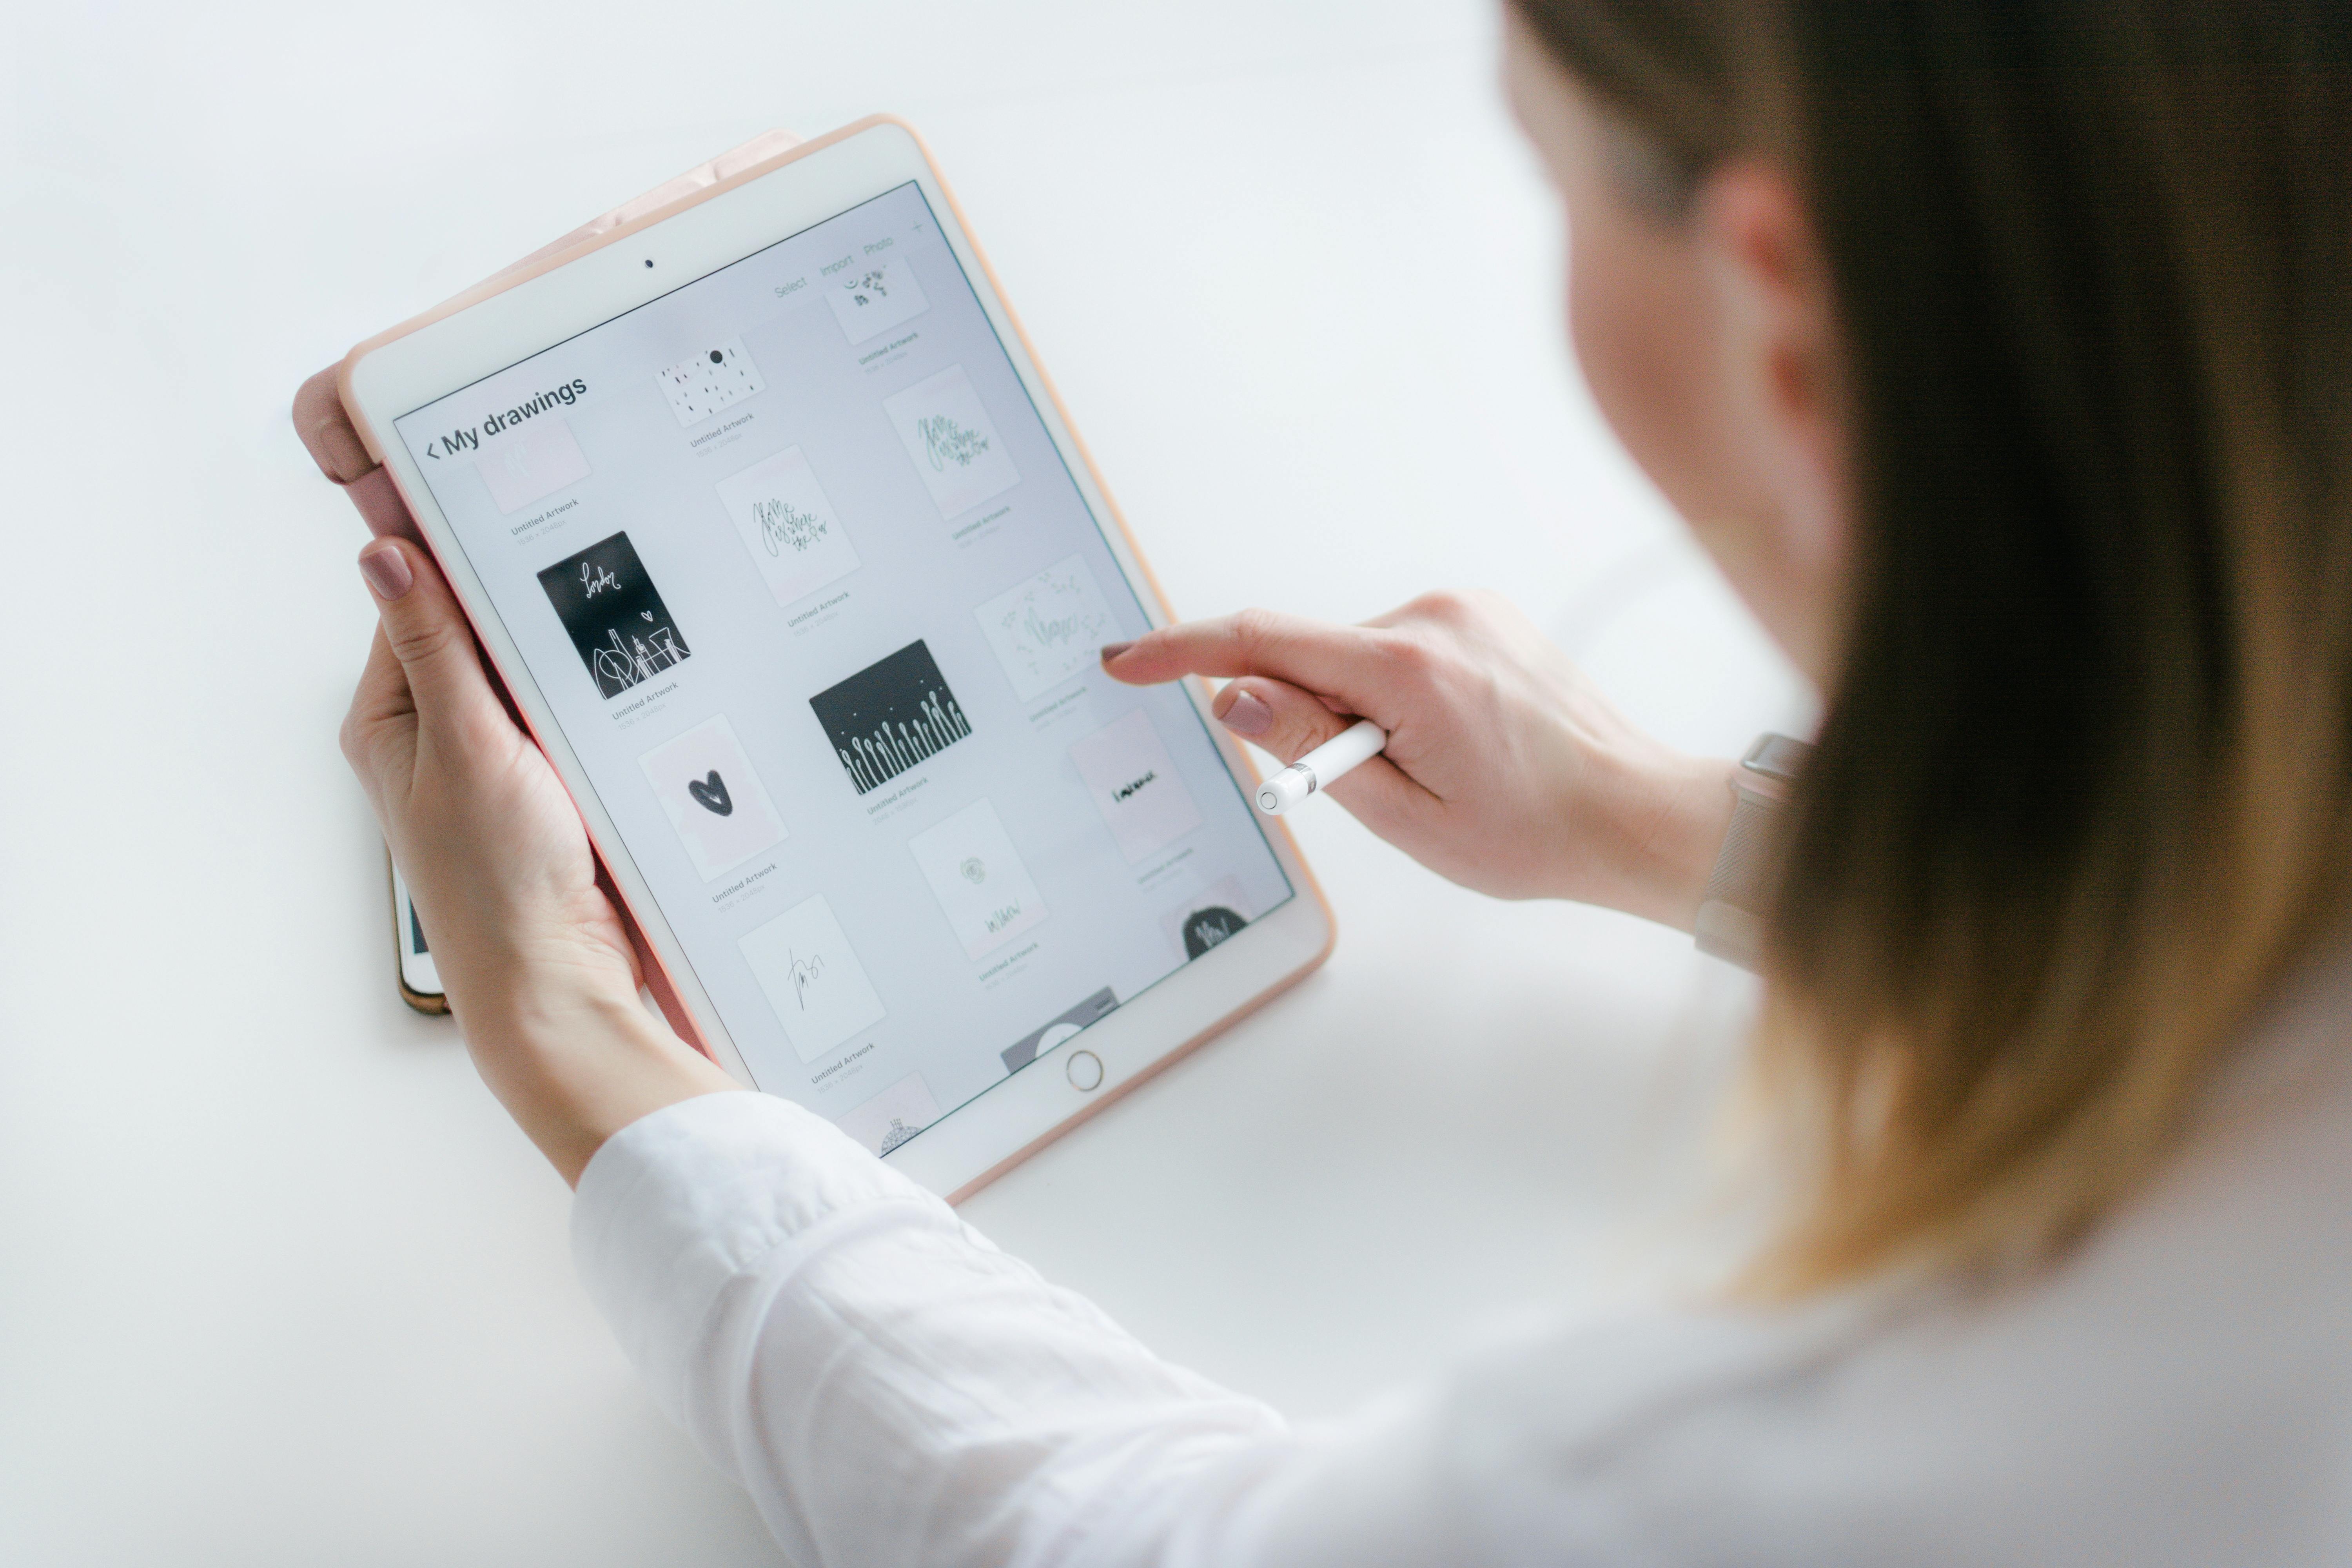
1248, 716
1111, 650
387, 571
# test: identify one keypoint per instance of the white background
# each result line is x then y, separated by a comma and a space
279, 1284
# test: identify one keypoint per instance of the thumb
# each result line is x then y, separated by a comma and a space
1289, 723
428, 633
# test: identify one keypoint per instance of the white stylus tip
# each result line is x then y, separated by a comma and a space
1284, 790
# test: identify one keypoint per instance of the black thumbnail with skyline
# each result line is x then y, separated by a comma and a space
889, 716
624, 633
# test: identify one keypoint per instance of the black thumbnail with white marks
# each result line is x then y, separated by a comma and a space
1204, 928
624, 633
891, 716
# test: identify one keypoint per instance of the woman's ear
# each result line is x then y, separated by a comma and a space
1783, 387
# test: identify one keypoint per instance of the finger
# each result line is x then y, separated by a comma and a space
381, 710
1277, 717
428, 633
381, 508
1454, 607
325, 426
765, 146
1346, 665
382, 694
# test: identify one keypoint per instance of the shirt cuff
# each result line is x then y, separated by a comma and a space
682, 1202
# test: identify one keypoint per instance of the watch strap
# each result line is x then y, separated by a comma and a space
1730, 923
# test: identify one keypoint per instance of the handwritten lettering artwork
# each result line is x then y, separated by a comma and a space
1046, 630
616, 616
1135, 786
982, 888
870, 297
811, 976
1209, 916
721, 811
787, 523
709, 380
956, 451
1204, 928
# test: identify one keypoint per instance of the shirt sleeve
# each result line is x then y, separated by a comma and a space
890, 1388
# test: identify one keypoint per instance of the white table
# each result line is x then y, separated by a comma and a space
279, 1284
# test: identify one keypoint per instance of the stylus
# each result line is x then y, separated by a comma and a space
1359, 743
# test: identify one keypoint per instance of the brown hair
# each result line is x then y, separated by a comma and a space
2081, 799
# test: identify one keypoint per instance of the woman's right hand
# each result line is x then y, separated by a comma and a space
1507, 769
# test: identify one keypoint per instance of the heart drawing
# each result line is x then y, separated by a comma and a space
710, 793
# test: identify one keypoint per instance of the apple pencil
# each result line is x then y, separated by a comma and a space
1359, 743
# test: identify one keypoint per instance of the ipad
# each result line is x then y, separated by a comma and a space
775, 528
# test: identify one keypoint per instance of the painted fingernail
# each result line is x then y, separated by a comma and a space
1111, 650
387, 571
1249, 715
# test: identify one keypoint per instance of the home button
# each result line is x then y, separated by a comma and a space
1086, 1071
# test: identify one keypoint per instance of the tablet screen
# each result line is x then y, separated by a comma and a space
814, 597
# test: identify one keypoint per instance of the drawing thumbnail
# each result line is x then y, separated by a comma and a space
889, 716
1056, 1029
1046, 630
787, 522
983, 886
530, 464
812, 978
893, 1115
1207, 918
617, 618
717, 803
714, 378
871, 300
955, 449
1135, 786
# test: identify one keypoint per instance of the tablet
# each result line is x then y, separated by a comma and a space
775, 531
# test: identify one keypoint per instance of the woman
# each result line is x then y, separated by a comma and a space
2005, 366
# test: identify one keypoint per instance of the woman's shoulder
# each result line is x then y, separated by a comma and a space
2174, 1383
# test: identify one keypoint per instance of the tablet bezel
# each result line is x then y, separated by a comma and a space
522, 313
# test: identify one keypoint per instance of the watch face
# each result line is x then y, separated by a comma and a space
1777, 757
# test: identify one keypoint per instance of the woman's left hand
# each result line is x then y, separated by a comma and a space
534, 957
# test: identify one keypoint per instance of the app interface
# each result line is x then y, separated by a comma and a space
816, 603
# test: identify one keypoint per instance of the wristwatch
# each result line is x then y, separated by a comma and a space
1730, 916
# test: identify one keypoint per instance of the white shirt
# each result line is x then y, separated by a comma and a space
893, 1390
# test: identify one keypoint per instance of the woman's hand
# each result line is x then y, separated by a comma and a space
537, 963
535, 958
1506, 768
